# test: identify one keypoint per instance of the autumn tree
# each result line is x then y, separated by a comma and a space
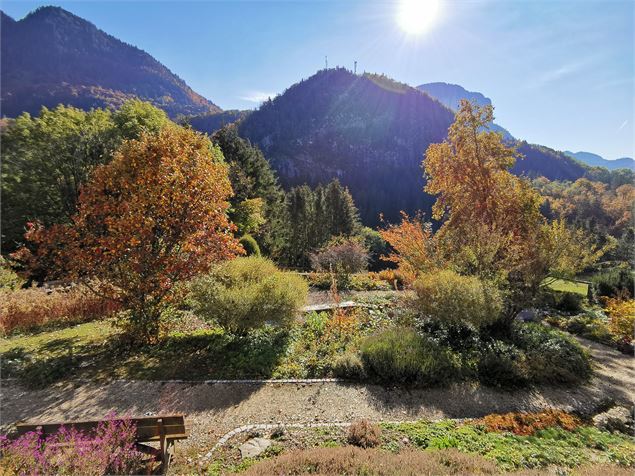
153, 216
46, 159
492, 226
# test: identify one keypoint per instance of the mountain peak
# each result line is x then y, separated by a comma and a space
53, 56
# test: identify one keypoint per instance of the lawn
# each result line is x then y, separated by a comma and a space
567, 285
190, 350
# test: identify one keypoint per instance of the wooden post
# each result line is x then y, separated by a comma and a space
164, 455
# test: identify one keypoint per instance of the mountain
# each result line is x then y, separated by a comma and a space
52, 56
211, 122
450, 96
370, 132
595, 160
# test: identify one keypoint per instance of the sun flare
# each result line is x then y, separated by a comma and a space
416, 16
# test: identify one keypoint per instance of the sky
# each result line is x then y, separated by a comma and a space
559, 73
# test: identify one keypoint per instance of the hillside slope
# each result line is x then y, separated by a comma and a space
595, 160
52, 56
370, 132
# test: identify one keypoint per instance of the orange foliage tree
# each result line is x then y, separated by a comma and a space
152, 217
492, 224
412, 244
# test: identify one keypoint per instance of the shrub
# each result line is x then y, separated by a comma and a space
341, 255
250, 245
529, 423
614, 282
28, 309
349, 365
450, 297
110, 450
401, 355
364, 434
621, 318
501, 365
567, 301
375, 244
551, 356
9, 279
355, 282
352, 460
246, 293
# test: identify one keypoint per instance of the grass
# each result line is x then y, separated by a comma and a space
414, 444
96, 350
569, 286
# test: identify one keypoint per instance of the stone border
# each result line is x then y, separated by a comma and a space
198, 382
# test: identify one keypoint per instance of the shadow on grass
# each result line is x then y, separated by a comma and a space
204, 355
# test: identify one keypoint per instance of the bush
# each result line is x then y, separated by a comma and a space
621, 318
614, 282
567, 302
500, 364
250, 245
403, 356
349, 365
9, 279
450, 297
341, 256
110, 450
529, 423
246, 293
352, 460
551, 356
364, 434
29, 309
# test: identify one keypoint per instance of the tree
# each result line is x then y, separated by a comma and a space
152, 217
314, 216
258, 203
492, 225
46, 159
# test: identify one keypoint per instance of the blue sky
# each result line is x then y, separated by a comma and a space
560, 73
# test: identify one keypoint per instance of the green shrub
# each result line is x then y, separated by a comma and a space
250, 245
614, 282
349, 365
501, 365
551, 356
403, 356
9, 279
567, 301
450, 297
246, 293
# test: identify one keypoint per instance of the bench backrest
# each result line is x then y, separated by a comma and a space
171, 427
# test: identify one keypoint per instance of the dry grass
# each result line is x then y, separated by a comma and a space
29, 309
351, 460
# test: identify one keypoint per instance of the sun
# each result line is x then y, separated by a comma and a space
416, 16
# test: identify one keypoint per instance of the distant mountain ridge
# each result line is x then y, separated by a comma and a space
595, 160
371, 132
450, 96
52, 56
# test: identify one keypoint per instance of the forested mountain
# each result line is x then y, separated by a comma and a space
450, 95
52, 56
370, 132
214, 121
595, 160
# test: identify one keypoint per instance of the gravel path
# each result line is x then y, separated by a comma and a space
215, 409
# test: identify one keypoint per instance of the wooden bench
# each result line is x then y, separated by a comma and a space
164, 429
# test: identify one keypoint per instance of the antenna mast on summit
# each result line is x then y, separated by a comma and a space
355, 67
326, 62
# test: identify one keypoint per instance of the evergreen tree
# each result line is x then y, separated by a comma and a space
252, 178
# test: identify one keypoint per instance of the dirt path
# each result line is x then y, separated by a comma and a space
214, 409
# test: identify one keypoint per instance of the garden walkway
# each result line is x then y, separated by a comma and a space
216, 408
